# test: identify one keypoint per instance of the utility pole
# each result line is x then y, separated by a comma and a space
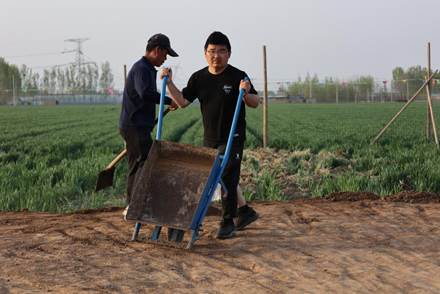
407, 89
337, 92
384, 91
356, 90
391, 94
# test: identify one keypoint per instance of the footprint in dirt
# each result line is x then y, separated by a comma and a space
300, 218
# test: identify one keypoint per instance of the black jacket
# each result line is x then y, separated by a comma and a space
140, 97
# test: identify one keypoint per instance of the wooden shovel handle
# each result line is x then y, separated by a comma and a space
117, 159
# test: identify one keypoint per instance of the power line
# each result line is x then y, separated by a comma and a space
32, 55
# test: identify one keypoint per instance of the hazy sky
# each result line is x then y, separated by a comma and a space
339, 38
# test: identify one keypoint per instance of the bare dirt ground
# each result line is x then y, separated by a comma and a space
303, 246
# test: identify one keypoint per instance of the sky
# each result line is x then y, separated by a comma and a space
337, 38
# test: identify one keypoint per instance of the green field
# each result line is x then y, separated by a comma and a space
50, 156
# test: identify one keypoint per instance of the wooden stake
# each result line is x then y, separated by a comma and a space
265, 102
431, 113
403, 108
428, 111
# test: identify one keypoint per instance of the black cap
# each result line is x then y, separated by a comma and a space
163, 42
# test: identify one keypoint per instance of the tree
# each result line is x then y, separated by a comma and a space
53, 81
399, 81
70, 78
92, 78
106, 79
45, 82
61, 80
29, 80
365, 87
408, 81
10, 81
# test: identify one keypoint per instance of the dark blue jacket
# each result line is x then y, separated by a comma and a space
140, 97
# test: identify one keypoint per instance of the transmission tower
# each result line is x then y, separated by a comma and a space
79, 58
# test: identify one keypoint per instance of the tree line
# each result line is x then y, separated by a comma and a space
71, 79
89, 79
404, 83
407, 82
9, 79
330, 89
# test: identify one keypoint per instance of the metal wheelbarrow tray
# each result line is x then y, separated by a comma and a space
170, 184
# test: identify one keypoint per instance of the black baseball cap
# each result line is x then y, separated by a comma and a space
163, 42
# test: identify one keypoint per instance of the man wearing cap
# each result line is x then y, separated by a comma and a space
139, 105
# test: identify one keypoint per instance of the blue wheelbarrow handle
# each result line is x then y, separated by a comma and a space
161, 107
216, 173
233, 128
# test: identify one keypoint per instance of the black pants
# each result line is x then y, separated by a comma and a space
231, 176
138, 143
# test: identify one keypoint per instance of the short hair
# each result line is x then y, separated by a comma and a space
218, 38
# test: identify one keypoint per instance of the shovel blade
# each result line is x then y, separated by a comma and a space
105, 179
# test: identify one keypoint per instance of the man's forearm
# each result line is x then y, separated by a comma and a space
252, 100
176, 95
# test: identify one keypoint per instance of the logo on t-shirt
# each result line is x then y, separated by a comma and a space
227, 89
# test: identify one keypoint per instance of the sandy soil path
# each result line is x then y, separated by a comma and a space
303, 246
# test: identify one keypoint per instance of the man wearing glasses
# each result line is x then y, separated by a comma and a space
217, 87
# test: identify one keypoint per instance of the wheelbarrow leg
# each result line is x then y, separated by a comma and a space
175, 235
179, 236
156, 232
194, 238
137, 227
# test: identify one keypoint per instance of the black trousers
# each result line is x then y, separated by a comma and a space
231, 176
138, 143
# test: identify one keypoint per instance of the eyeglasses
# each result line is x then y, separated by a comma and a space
217, 52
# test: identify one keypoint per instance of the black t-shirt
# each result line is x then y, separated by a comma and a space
218, 96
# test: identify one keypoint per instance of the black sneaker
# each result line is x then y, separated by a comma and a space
226, 230
246, 216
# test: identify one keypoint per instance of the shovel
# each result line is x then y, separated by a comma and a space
105, 177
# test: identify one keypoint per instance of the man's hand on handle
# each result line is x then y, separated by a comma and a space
246, 85
166, 71
250, 100
178, 100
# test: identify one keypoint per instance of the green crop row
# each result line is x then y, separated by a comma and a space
50, 156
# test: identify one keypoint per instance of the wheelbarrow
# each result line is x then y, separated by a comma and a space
176, 184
